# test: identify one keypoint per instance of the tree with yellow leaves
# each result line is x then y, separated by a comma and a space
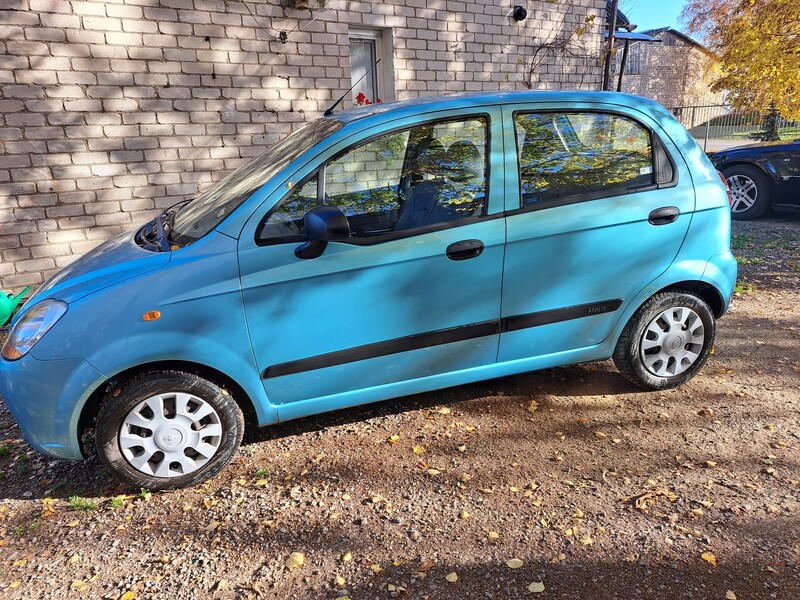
758, 45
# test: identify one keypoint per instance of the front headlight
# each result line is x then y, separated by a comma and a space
32, 327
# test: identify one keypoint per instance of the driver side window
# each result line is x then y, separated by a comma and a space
404, 180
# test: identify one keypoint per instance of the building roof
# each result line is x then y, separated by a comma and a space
622, 20
678, 34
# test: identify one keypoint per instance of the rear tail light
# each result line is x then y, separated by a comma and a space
727, 187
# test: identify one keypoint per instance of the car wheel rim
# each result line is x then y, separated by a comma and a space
744, 193
672, 342
170, 435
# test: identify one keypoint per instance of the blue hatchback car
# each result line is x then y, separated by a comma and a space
380, 252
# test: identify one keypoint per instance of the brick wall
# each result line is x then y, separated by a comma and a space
673, 72
113, 109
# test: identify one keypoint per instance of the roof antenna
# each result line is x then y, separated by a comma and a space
329, 112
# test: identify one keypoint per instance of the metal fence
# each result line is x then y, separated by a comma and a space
717, 126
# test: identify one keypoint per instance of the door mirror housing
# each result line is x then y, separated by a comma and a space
323, 224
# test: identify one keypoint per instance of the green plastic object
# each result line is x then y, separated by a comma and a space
9, 303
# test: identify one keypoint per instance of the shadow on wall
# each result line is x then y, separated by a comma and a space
113, 112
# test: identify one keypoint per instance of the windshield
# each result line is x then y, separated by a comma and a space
212, 206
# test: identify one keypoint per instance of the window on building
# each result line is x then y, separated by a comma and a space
371, 65
633, 63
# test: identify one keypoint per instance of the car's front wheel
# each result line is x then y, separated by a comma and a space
667, 341
167, 430
750, 192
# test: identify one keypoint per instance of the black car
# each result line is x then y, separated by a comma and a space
761, 176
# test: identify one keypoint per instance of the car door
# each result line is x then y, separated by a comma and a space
786, 159
413, 293
597, 210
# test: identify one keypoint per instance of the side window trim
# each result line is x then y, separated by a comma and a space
588, 196
319, 172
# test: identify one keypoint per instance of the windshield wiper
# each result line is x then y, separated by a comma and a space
153, 236
169, 215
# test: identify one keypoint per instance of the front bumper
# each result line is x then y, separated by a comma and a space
46, 397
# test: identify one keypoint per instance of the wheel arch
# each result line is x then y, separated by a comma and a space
765, 167
92, 405
705, 291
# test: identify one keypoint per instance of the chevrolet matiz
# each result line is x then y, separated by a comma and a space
379, 252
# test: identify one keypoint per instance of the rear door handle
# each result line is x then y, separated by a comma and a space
465, 249
663, 216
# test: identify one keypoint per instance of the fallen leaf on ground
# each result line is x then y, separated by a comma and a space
533, 406
643, 500
348, 557
729, 595
451, 577
295, 560
709, 558
514, 563
418, 449
443, 411
493, 535
340, 581
537, 587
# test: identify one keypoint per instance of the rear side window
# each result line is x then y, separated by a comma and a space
562, 155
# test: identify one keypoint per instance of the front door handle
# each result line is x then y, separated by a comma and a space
465, 249
663, 216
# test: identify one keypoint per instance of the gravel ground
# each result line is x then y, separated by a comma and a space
564, 483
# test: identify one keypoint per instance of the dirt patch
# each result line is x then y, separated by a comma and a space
598, 489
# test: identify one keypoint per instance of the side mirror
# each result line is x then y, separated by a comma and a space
323, 224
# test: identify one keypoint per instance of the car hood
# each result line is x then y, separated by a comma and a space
114, 261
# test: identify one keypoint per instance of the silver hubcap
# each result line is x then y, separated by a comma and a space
170, 434
743, 191
672, 342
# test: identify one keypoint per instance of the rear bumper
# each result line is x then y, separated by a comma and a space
721, 270
46, 398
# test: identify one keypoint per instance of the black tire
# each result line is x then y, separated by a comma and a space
750, 191
179, 452
676, 357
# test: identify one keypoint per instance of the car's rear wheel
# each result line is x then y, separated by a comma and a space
750, 192
167, 430
667, 341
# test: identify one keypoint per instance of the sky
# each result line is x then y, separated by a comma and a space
652, 14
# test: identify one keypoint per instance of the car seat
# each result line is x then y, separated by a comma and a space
422, 206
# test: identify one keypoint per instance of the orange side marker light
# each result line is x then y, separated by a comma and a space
152, 315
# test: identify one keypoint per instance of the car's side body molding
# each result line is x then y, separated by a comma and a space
442, 336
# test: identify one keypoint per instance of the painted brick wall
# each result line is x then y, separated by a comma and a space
111, 110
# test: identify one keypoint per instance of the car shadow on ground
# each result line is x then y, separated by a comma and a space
591, 379
27, 475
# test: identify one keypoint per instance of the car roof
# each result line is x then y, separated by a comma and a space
473, 99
